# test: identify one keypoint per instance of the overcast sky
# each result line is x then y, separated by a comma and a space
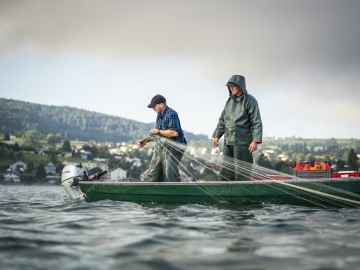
301, 59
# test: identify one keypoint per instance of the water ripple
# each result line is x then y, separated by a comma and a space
41, 228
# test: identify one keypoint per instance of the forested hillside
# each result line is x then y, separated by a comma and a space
16, 117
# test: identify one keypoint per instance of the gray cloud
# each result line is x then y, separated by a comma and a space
319, 32
309, 48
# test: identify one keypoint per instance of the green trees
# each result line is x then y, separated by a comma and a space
264, 161
352, 161
66, 147
53, 139
18, 116
40, 172
283, 167
32, 137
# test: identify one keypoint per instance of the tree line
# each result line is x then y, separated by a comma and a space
19, 117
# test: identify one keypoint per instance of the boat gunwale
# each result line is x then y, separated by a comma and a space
195, 183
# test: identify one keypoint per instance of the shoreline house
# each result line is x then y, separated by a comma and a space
118, 175
11, 178
50, 168
18, 166
84, 154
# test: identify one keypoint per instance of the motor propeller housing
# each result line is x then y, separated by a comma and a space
70, 177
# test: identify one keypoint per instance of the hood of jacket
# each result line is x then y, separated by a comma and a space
239, 81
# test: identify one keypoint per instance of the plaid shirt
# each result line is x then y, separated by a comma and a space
169, 119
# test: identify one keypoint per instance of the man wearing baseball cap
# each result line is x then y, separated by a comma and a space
165, 160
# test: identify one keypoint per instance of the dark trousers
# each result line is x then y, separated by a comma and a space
231, 153
164, 164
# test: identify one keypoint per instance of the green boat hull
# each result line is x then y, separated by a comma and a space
334, 192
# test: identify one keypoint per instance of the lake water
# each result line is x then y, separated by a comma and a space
42, 228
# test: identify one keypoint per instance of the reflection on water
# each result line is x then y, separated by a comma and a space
41, 228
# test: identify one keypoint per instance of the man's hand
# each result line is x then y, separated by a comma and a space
215, 141
142, 142
154, 131
253, 147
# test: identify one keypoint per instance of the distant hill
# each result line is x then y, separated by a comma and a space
16, 117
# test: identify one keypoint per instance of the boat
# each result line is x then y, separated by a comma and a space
338, 192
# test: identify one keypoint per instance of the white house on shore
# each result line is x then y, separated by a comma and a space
84, 154
118, 175
11, 178
50, 168
18, 165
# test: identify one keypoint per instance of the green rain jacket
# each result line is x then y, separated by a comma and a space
240, 121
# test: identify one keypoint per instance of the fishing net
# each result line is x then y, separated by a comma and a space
199, 165
202, 165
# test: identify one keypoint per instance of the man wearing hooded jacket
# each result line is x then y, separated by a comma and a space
240, 123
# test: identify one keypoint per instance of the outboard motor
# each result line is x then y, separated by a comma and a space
70, 177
